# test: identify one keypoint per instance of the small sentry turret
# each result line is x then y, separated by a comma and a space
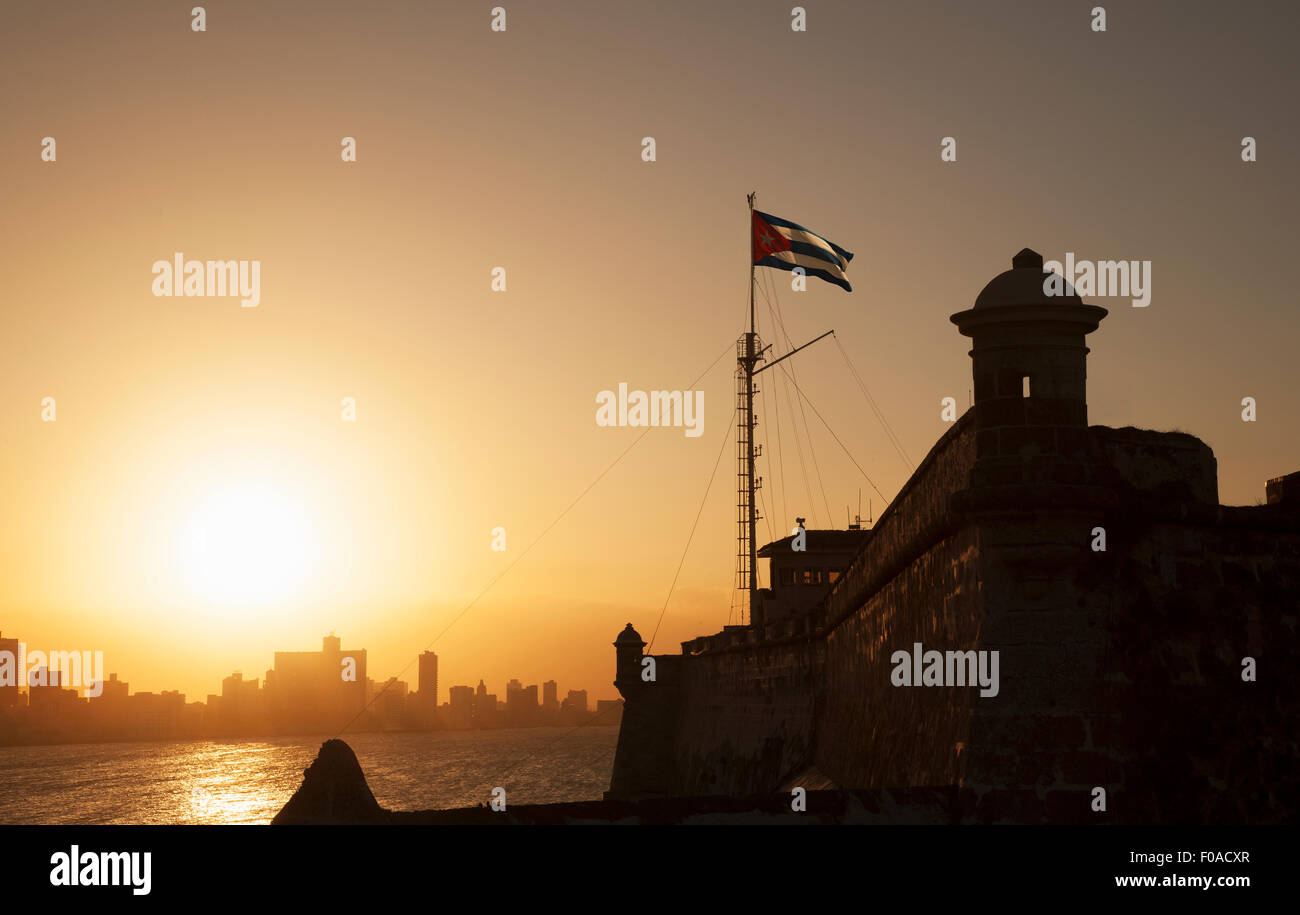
628, 648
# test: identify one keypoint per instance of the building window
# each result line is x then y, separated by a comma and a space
832, 576
787, 576
1024, 385
812, 576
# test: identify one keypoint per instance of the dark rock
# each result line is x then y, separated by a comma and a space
333, 791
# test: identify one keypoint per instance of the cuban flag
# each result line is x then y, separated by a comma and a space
785, 245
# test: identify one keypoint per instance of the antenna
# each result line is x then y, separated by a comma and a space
856, 523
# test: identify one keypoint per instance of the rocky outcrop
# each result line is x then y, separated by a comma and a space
333, 791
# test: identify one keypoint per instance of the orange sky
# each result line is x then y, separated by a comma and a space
523, 149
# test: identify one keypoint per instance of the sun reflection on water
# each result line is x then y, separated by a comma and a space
248, 781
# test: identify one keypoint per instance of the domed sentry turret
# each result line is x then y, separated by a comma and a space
1030, 364
627, 652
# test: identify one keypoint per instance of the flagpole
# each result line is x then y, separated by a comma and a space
751, 358
749, 353
750, 198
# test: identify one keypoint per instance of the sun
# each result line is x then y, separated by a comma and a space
246, 545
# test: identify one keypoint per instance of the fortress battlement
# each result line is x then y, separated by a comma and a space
1137, 621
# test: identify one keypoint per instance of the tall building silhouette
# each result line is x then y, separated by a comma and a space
428, 683
318, 689
9, 694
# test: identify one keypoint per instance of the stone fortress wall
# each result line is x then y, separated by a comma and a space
1119, 668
